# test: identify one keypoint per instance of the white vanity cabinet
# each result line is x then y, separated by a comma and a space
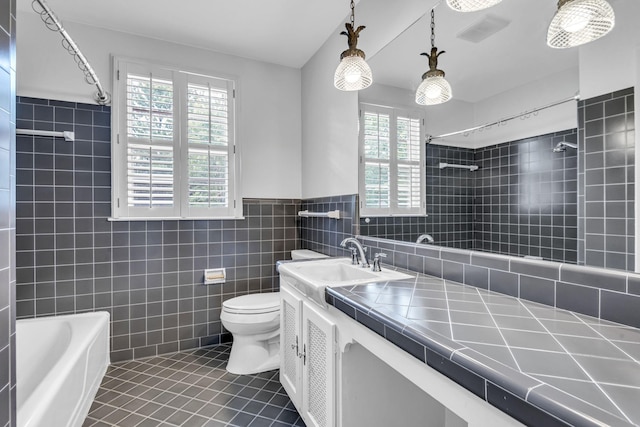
307, 357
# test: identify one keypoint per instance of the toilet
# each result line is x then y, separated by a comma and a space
254, 322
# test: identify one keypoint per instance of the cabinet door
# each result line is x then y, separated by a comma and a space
291, 346
318, 372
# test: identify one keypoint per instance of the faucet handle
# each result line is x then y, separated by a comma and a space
376, 261
355, 256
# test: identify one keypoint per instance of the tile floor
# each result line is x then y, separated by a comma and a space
191, 389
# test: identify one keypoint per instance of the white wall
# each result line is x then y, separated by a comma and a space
329, 127
269, 96
457, 115
609, 64
329, 116
524, 99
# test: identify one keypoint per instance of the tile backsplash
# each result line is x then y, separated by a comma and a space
147, 274
325, 234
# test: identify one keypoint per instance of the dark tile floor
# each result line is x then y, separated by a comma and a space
191, 389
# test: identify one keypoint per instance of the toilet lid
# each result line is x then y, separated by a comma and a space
253, 303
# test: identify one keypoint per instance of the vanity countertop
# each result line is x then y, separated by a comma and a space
543, 366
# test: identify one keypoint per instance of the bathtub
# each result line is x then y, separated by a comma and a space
60, 363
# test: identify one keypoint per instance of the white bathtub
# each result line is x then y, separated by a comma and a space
60, 363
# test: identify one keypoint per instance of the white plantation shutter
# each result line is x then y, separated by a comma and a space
377, 160
391, 162
209, 148
149, 175
149, 141
174, 153
410, 165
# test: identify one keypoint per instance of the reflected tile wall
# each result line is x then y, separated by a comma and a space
450, 196
607, 172
7, 213
526, 198
449, 199
522, 201
147, 274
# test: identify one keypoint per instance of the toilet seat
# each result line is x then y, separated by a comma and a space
260, 303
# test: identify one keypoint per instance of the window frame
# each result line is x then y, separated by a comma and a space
393, 113
120, 211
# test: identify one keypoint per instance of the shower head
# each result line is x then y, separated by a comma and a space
562, 146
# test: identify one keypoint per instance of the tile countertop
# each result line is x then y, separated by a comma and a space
528, 359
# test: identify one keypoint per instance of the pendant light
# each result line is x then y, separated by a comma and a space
353, 73
579, 21
471, 5
434, 89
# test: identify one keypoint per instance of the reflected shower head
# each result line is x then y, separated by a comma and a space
562, 146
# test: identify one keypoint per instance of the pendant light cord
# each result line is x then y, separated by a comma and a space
433, 28
353, 13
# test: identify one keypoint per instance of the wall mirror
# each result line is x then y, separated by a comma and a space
531, 194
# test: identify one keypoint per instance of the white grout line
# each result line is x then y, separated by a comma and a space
580, 366
137, 364
444, 282
500, 332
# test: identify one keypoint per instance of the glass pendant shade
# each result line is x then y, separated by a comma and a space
353, 73
579, 21
433, 90
471, 5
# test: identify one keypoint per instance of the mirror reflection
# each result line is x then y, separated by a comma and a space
555, 176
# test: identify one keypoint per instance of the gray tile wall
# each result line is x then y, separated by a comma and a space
607, 177
147, 274
526, 198
450, 196
403, 228
7, 213
325, 234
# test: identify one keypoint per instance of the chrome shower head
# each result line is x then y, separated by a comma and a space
562, 146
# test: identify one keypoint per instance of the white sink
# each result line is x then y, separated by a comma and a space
312, 277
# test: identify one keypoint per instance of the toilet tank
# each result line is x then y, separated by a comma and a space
306, 254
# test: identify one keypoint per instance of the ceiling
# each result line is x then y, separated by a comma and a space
289, 32
285, 32
516, 55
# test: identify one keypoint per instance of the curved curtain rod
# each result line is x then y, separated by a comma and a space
52, 22
501, 121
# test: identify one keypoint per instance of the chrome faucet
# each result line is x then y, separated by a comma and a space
424, 237
361, 250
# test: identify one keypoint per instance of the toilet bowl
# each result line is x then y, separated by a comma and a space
254, 322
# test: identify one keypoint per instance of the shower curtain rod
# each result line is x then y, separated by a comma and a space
52, 22
501, 121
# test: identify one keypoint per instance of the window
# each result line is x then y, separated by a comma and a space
174, 149
392, 166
